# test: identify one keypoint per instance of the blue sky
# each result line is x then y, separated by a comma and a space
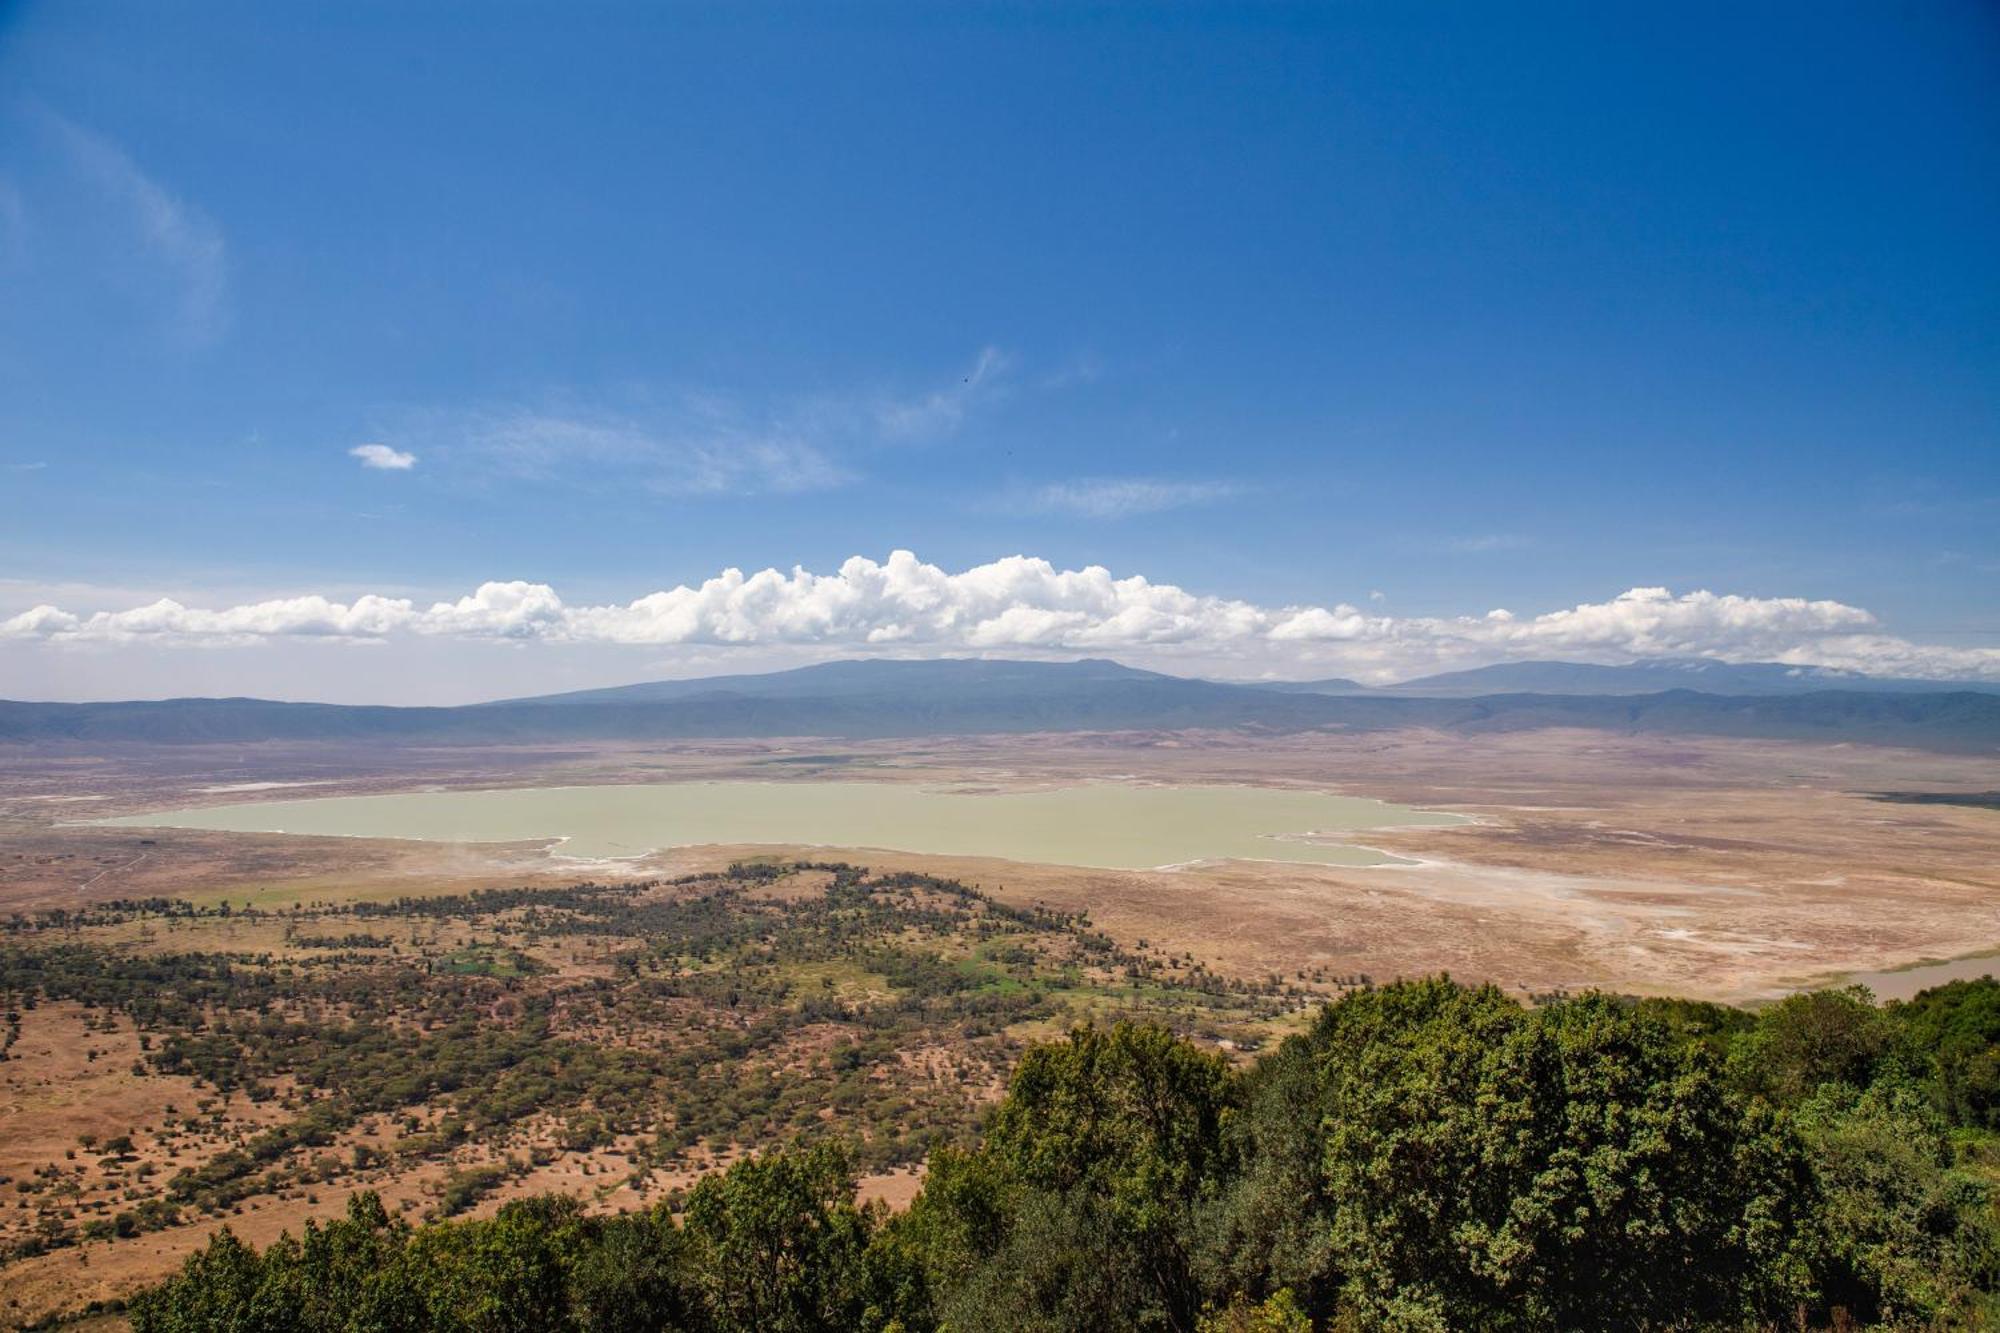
1408, 311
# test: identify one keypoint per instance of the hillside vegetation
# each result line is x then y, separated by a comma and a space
167, 1065
1427, 1156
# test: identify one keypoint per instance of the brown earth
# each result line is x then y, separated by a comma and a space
1728, 869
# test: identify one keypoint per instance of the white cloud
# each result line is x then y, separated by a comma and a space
383, 457
1122, 497
180, 235
1026, 605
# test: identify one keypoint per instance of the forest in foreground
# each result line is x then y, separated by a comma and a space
1426, 1156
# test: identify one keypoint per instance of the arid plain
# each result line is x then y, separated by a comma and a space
1729, 870
1733, 870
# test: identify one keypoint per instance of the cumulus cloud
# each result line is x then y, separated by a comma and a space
383, 457
180, 235
1025, 605
1122, 497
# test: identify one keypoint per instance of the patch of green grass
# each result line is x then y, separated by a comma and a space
481, 960
986, 977
850, 983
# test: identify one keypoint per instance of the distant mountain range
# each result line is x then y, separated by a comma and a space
918, 682
867, 699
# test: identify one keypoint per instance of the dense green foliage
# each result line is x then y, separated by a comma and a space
1427, 1156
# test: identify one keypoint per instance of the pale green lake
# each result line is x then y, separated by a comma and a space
1107, 825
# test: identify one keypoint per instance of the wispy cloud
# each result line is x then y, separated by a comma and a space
941, 412
383, 457
180, 235
1023, 604
1488, 542
35, 466
698, 452
1123, 497
1087, 368
689, 443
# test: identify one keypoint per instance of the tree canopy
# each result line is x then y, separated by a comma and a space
1428, 1156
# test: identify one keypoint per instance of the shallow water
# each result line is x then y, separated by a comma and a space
1108, 825
1904, 983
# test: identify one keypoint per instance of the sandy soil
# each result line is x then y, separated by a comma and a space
1730, 869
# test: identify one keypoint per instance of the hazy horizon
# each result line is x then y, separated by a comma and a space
481, 688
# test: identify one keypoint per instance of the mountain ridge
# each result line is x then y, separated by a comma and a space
849, 677
874, 699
